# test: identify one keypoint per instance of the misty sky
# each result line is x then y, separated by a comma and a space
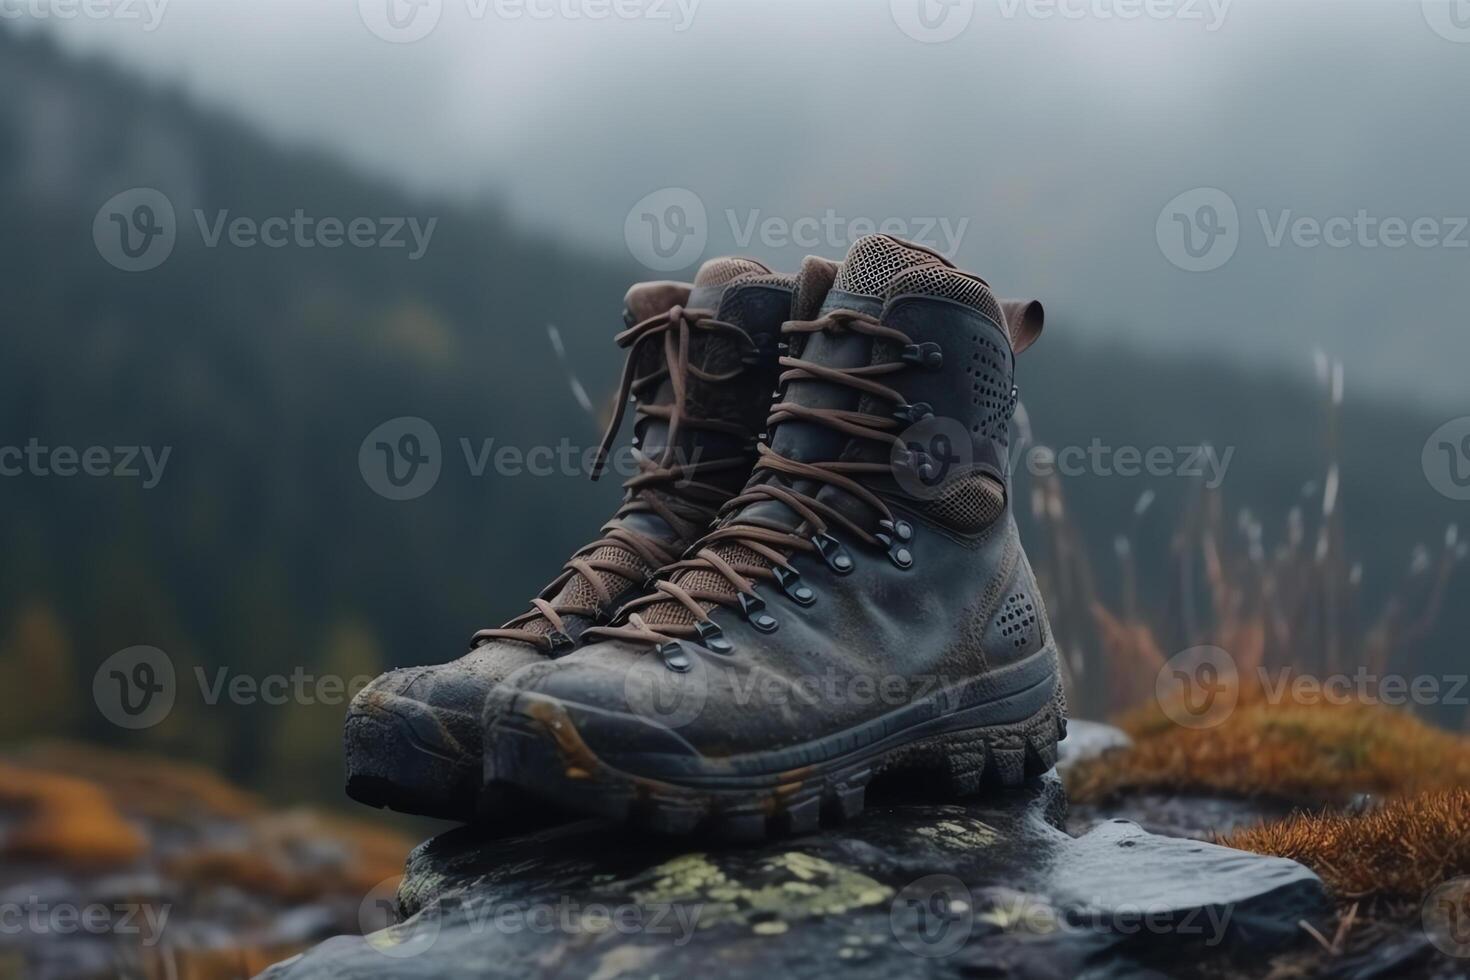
1042, 143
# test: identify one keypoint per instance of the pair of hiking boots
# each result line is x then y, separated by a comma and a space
800, 592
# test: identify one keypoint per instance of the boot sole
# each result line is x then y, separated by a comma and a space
401, 755
537, 747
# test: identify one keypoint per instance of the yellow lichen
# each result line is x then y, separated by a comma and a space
781, 889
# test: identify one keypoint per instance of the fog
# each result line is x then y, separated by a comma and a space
1040, 144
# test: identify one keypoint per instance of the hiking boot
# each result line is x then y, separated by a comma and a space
701, 365
863, 607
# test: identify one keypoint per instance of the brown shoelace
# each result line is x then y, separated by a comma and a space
687, 506
775, 543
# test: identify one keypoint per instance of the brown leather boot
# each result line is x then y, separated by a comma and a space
701, 365
863, 606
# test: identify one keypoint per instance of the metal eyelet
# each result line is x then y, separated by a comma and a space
896, 535
673, 655
914, 413
796, 590
712, 638
926, 355
833, 553
753, 608
901, 530
916, 461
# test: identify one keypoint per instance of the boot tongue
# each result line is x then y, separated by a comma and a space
714, 277
861, 284
644, 301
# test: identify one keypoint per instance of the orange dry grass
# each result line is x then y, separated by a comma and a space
145, 784
68, 820
1322, 753
1401, 850
75, 798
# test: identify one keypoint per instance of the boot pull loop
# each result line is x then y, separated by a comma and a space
1024, 320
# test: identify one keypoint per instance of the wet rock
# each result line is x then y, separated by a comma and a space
1088, 740
1194, 815
992, 888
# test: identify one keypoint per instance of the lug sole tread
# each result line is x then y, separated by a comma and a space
966, 763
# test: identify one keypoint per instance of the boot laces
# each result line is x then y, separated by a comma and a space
736, 577
670, 486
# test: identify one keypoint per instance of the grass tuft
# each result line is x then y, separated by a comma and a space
1312, 754
1401, 850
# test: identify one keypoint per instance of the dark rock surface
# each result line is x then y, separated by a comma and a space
992, 888
1194, 815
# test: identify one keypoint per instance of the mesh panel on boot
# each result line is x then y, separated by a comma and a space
873, 262
718, 272
969, 503
936, 280
673, 613
579, 592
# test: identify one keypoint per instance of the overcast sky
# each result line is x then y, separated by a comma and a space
1042, 141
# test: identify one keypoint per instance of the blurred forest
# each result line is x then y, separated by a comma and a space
263, 550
